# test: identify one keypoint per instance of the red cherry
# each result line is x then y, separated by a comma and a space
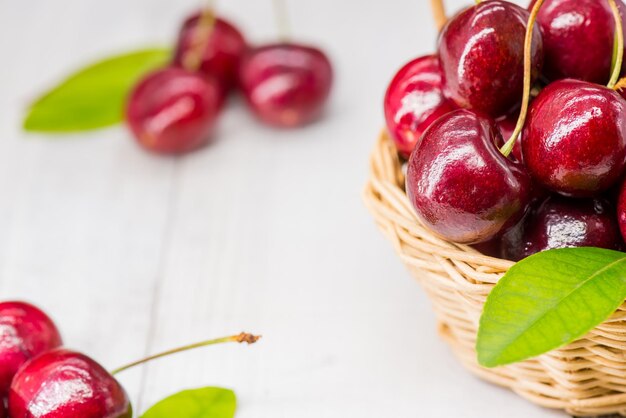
574, 141
414, 100
559, 222
25, 331
66, 384
222, 54
578, 38
286, 84
482, 56
461, 185
173, 111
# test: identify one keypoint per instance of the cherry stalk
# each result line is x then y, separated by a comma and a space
439, 13
243, 337
193, 58
619, 41
508, 146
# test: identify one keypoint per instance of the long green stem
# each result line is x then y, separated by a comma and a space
439, 13
619, 45
201, 37
528, 44
239, 338
282, 19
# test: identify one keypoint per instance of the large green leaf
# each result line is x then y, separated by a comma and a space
93, 97
209, 402
548, 300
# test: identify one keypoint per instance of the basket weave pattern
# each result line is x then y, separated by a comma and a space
585, 378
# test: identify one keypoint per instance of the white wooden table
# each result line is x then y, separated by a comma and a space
264, 231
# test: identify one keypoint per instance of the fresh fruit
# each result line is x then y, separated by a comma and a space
574, 141
66, 384
222, 51
560, 222
578, 37
25, 331
459, 183
173, 110
482, 57
414, 100
286, 84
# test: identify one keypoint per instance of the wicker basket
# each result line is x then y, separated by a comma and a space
586, 378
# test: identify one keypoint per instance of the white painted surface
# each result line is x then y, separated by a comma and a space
263, 231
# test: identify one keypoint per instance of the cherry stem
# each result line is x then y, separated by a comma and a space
201, 37
619, 44
528, 44
620, 84
239, 338
282, 19
439, 13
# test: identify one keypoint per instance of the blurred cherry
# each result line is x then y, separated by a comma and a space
286, 84
173, 110
25, 331
66, 384
414, 100
221, 54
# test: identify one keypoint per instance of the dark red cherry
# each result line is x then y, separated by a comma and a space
66, 384
578, 38
25, 331
482, 56
286, 84
222, 53
560, 222
574, 140
173, 111
414, 100
459, 183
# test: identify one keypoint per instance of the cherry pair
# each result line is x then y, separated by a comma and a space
449, 111
174, 110
40, 379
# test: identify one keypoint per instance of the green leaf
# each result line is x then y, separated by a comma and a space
549, 300
93, 97
209, 402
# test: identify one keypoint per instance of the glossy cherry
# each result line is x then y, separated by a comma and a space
482, 56
66, 384
574, 140
459, 183
25, 331
414, 100
173, 111
286, 84
560, 222
222, 54
578, 38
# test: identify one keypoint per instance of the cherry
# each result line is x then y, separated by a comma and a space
414, 100
172, 110
482, 56
560, 222
574, 141
66, 384
286, 84
578, 37
222, 53
461, 185
25, 331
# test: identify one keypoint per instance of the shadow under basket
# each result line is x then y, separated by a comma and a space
585, 378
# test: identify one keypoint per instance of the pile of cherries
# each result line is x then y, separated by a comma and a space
40, 379
174, 110
560, 182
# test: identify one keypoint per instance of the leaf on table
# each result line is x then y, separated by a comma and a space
209, 402
548, 300
93, 97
